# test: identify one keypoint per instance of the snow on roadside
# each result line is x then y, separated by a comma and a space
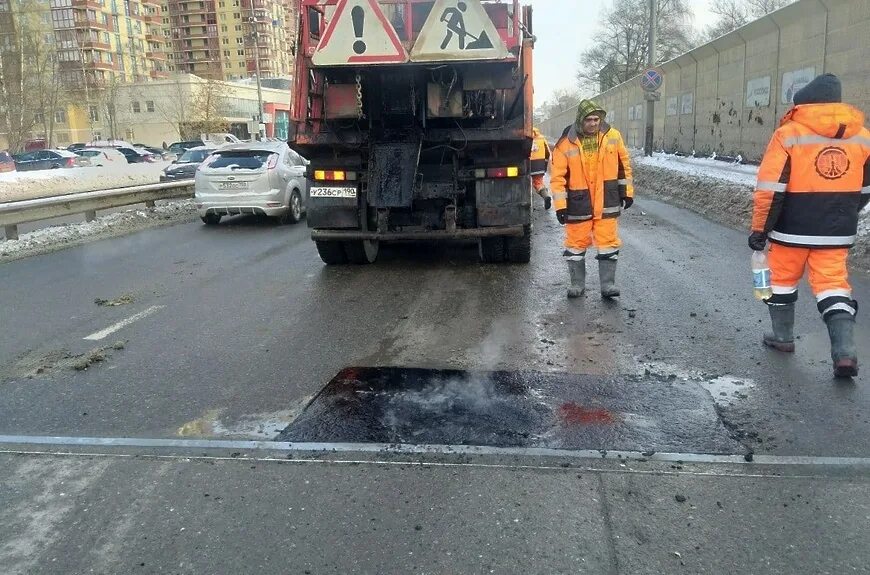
717, 190
110, 225
16, 186
702, 167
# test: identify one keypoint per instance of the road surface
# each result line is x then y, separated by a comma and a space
227, 333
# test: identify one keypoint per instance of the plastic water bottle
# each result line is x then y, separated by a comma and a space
761, 275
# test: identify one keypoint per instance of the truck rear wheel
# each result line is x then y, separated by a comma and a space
332, 253
492, 250
519, 249
361, 252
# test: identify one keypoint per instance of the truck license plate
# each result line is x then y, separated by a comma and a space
333, 192
234, 185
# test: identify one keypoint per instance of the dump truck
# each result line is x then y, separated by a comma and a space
416, 119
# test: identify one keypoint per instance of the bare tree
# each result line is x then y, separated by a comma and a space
18, 114
560, 101
174, 105
207, 108
733, 14
48, 94
758, 8
621, 43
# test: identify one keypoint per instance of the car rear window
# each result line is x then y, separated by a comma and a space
191, 156
240, 159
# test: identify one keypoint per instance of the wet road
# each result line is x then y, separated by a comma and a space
242, 323
229, 332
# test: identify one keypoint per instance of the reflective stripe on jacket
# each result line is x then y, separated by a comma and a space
590, 191
814, 178
540, 155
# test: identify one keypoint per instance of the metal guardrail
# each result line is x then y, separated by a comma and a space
14, 213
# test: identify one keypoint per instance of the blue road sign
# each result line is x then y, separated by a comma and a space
651, 80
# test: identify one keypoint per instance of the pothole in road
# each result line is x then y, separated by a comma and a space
725, 390
513, 409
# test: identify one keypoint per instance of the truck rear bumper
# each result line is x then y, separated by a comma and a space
460, 234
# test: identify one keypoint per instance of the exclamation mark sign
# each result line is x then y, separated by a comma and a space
358, 14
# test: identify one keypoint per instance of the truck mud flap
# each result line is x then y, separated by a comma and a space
391, 174
503, 202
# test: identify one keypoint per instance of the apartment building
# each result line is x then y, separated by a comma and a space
222, 39
100, 42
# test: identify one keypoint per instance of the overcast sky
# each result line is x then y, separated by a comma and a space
563, 28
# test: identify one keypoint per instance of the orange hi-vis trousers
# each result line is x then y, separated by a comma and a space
828, 277
603, 234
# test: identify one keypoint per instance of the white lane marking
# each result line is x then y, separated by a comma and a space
96, 336
395, 449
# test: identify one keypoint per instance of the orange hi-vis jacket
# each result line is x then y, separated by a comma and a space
814, 178
540, 154
586, 190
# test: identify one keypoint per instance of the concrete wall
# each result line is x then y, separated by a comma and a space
728, 95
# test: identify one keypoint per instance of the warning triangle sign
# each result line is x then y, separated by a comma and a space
458, 30
359, 33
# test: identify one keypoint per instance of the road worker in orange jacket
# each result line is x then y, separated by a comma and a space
539, 159
812, 184
590, 178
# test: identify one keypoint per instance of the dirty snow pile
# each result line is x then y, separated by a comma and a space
720, 191
703, 167
46, 183
111, 225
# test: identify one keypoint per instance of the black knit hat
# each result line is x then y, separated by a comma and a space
824, 89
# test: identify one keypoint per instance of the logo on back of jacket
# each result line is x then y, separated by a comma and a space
832, 163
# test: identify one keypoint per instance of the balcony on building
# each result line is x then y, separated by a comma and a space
86, 24
87, 4
158, 74
96, 45
194, 7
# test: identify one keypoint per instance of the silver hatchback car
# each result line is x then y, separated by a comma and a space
263, 178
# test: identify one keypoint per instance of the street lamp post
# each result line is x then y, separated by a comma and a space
256, 35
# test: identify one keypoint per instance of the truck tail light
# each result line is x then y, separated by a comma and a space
506, 172
334, 175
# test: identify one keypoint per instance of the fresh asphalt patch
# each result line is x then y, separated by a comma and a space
514, 409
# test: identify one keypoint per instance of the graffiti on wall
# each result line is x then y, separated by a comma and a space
758, 92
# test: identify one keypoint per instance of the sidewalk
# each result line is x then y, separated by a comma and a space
147, 511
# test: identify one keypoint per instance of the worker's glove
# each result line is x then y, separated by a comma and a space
627, 202
757, 241
562, 216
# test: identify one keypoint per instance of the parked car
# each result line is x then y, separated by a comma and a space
45, 160
102, 157
185, 167
7, 163
178, 148
76, 147
158, 153
264, 178
136, 155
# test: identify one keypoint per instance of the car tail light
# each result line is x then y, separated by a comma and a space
506, 172
334, 175
273, 161
70, 162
